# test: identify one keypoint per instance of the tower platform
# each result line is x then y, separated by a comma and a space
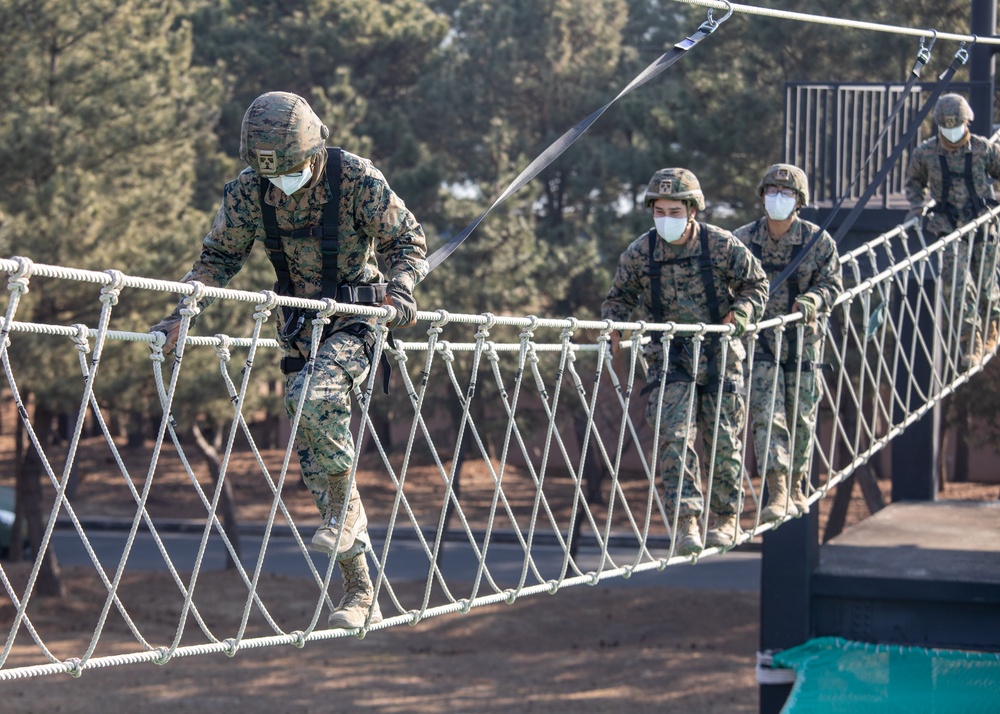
915, 573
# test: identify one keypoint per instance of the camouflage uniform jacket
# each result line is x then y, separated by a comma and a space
924, 172
739, 282
372, 218
818, 275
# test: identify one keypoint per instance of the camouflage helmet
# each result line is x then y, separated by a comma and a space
786, 176
952, 110
677, 185
280, 131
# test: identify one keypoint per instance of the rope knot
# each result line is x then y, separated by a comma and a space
190, 304
110, 293
222, 349
264, 309
300, 638
528, 331
82, 338
231, 647
18, 282
75, 667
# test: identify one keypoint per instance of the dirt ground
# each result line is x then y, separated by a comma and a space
585, 649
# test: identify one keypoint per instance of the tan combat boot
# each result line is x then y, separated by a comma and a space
972, 350
777, 500
798, 504
355, 537
688, 536
992, 336
723, 533
359, 596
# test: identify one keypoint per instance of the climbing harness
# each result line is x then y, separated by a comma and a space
296, 318
679, 373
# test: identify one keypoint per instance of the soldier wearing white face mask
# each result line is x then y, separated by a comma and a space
776, 240
323, 216
690, 272
955, 168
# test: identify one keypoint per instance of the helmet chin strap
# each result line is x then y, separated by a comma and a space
318, 169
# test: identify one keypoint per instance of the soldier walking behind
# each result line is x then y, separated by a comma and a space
956, 167
321, 214
784, 400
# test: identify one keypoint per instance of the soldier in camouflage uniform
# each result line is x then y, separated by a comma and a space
776, 404
690, 272
955, 167
322, 214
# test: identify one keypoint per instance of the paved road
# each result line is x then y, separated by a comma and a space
406, 559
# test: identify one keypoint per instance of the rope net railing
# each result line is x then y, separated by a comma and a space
569, 490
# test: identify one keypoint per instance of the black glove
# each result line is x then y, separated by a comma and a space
406, 306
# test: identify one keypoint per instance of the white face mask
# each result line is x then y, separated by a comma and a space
954, 135
670, 229
779, 207
290, 183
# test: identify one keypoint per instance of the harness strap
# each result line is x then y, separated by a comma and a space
794, 290
711, 295
951, 211
328, 233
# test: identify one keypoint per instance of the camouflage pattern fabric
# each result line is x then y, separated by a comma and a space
961, 263
778, 413
280, 131
775, 404
679, 432
372, 219
739, 282
923, 177
818, 274
324, 441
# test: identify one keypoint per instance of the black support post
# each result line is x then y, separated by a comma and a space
982, 67
790, 555
915, 471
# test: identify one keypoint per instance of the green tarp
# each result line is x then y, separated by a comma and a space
837, 675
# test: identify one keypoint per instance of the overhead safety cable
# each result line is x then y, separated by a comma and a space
566, 140
839, 22
961, 57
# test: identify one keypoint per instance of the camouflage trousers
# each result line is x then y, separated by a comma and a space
323, 440
679, 434
969, 270
780, 408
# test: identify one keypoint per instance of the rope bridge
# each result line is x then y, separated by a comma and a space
538, 402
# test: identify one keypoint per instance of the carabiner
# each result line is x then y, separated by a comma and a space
711, 25
963, 54
924, 53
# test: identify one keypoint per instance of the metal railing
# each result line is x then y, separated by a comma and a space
831, 128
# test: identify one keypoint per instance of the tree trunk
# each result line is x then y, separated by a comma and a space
136, 434
227, 504
29, 505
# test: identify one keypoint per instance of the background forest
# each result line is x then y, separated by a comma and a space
119, 125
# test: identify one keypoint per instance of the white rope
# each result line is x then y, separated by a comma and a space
838, 22
529, 369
